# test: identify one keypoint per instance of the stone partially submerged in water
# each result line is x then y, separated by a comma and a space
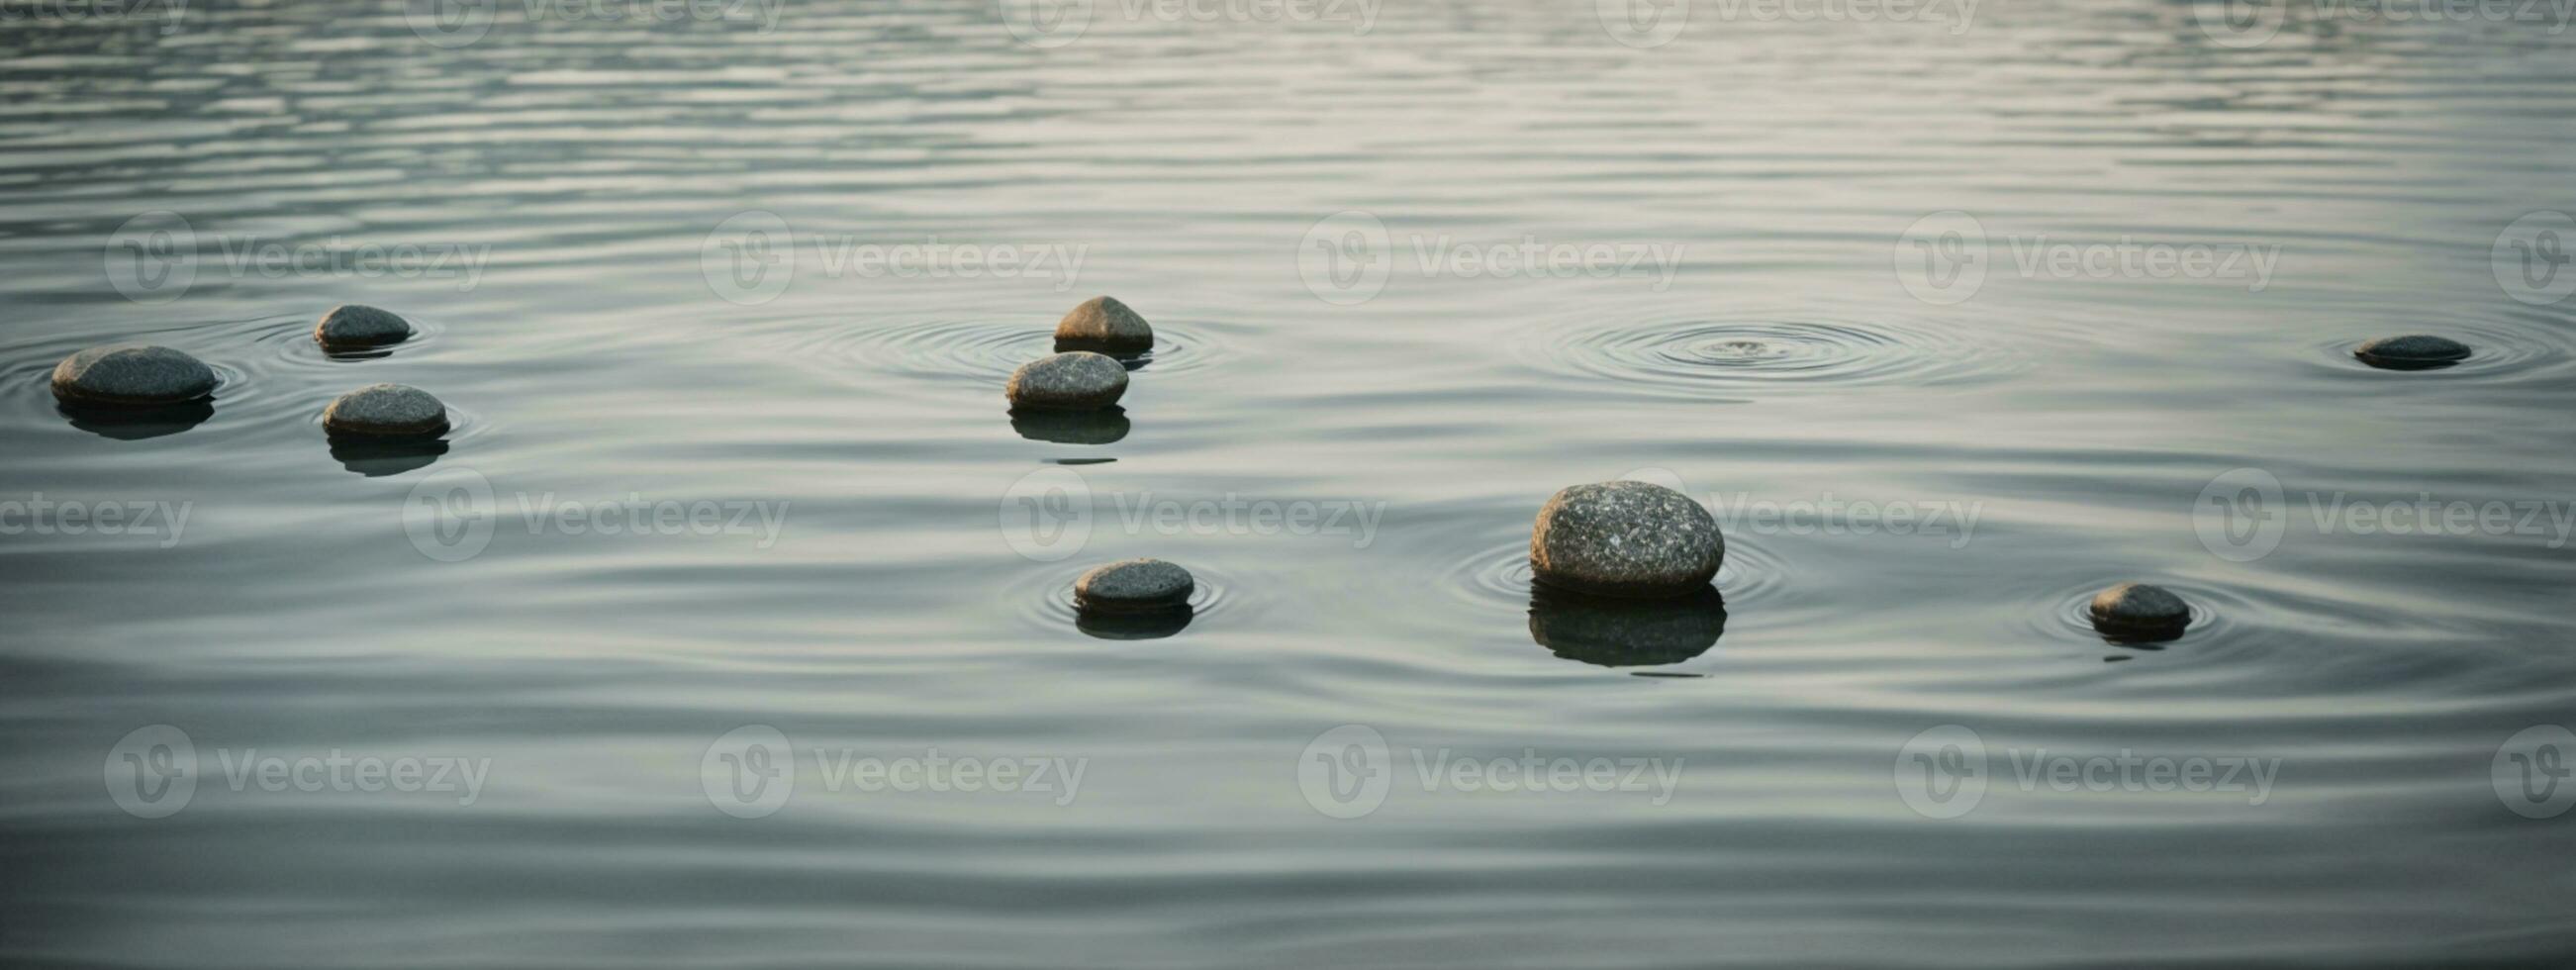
1134, 586
353, 326
1626, 539
2412, 352
2140, 611
386, 411
132, 375
1104, 324
1077, 381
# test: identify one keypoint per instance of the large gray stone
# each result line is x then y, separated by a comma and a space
355, 325
1102, 323
1134, 586
1076, 381
1625, 538
2139, 608
386, 410
132, 374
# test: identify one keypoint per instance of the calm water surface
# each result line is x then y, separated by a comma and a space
1351, 420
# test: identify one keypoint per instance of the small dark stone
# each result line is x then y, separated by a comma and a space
1073, 381
1134, 586
2412, 352
355, 326
1625, 538
1104, 324
1622, 632
132, 374
2140, 610
386, 410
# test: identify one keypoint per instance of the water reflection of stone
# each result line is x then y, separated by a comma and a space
378, 457
1147, 625
1101, 427
1626, 633
136, 422
2404, 363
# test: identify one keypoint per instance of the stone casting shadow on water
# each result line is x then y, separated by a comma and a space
379, 457
127, 422
1149, 625
1105, 426
1610, 632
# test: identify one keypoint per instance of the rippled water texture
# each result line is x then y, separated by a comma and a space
1951, 324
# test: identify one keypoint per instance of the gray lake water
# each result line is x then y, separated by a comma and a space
733, 624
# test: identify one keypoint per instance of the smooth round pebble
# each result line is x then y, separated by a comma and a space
386, 410
1625, 538
132, 374
1103, 323
1135, 585
357, 325
2412, 352
2131, 607
1080, 380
